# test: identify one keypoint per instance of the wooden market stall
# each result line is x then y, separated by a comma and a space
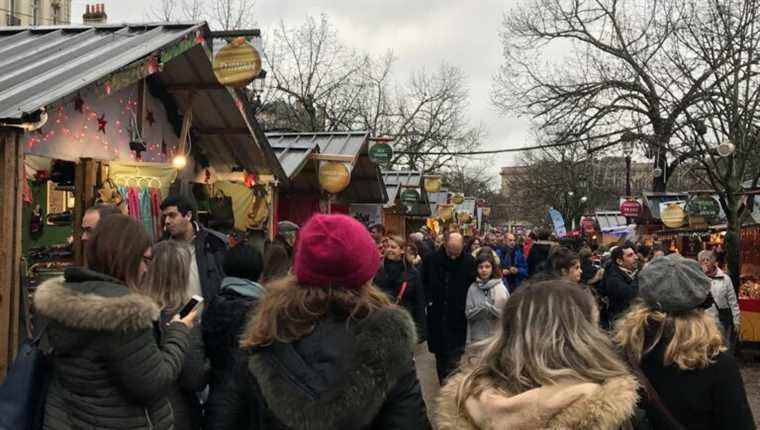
317, 162
407, 207
101, 113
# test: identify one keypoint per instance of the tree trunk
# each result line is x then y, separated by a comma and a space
733, 239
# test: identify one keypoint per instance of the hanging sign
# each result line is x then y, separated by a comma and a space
334, 177
486, 211
381, 153
433, 183
237, 64
558, 221
673, 214
410, 196
445, 212
630, 208
457, 198
587, 224
703, 206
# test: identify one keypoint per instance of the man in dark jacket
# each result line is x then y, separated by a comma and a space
620, 284
278, 256
446, 277
512, 262
208, 246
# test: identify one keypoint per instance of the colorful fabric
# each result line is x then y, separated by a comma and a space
155, 212
133, 202
146, 213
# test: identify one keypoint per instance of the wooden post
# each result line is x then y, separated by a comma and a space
11, 189
84, 196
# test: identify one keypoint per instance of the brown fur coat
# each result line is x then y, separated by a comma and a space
564, 406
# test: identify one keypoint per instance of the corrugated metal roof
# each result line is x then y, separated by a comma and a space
405, 178
609, 220
44, 64
366, 184
293, 155
395, 180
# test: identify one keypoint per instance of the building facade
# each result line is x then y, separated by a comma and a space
35, 12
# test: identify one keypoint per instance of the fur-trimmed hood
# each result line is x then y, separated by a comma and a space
87, 300
339, 376
565, 406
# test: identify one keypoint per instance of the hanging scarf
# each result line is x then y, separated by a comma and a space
155, 211
145, 213
133, 202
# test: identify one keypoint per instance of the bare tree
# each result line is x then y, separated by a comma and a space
220, 14
731, 112
616, 76
164, 11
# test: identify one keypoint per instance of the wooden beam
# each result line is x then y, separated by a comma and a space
11, 189
141, 106
85, 178
328, 157
199, 86
231, 131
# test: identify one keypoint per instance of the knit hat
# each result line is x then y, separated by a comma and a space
673, 283
335, 250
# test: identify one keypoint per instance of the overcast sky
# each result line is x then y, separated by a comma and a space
421, 33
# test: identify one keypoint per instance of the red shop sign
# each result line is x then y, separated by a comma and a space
630, 208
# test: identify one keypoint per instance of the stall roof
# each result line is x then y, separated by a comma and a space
42, 65
351, 147
609, 220
394, 180
293, 155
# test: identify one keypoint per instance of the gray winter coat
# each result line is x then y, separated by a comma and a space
485, 300
109, 372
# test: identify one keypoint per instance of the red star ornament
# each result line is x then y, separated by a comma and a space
102, 123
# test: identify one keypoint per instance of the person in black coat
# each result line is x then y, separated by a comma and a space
108, 369
698, 383
225, 317
538, 259
620, 284
326, 349
393, 274
207, 246
446, 276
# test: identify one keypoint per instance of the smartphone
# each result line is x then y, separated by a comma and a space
190, 305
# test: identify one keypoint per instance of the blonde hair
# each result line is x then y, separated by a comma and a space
550, 333
168, 275
693, 337
289, 311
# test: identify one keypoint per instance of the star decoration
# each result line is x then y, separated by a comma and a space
102, 123
79, 104
149, 117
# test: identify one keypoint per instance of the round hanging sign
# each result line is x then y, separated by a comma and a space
237, 64
433, 183
381, 153
630, 208
457, 198
410, 195
334, 177
673, 216
445, 211
704, 206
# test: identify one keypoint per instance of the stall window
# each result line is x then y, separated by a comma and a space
59, 199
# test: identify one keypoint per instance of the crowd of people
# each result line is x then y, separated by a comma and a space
319, 330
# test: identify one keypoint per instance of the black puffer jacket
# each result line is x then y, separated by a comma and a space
619, 289
359, 376
108, 370
391, 277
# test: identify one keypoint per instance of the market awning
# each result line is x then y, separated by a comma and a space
349, 147
396, 181
43, 65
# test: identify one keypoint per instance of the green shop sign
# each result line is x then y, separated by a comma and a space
381, 153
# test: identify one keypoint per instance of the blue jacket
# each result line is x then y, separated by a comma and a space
513, 259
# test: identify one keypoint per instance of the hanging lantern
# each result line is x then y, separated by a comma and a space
457, 198
433, 183
334, 177
630, 208
445, 212
673, 216
726, 148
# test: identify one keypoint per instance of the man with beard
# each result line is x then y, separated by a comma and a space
513, 264
446, 277
620, 284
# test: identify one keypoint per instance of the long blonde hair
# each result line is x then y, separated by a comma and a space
693, 337
168, 275
289, 311
550, 333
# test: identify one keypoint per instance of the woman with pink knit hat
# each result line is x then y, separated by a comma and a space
326, 348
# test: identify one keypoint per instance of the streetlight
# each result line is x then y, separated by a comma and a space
628, 151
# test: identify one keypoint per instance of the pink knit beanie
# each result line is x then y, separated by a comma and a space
335, 250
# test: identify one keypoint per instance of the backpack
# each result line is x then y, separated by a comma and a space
23, 393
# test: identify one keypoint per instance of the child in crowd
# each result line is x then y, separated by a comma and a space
485, 298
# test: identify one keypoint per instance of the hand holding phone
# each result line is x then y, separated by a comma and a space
189, 311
